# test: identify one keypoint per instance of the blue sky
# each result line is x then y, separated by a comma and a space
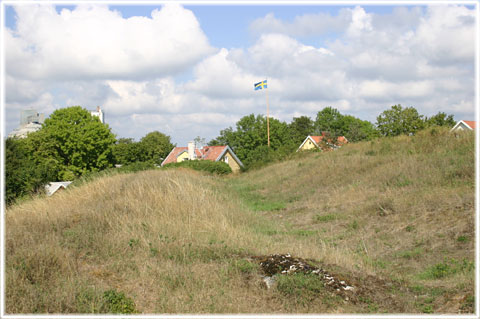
189, 70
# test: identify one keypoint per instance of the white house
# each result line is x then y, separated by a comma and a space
464, 126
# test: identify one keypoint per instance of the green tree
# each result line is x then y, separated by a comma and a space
23, 176
300, 128
354, 129
328, 120
398, 120
74, 139
249, 140
127, 151
155, 146
440, 119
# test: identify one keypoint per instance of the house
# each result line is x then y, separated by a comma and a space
53, 187
211, 153
98, 113
464, 126
312, 142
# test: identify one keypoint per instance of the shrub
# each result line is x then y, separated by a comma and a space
136, 167
117, 302
219, 168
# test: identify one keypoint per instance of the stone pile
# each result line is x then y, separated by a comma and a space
286, 264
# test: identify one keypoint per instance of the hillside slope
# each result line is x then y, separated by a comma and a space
401, 208
393, 218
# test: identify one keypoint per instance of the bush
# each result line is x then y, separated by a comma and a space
117, 302
219, 168
136, 167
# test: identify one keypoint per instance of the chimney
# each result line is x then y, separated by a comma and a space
191, 150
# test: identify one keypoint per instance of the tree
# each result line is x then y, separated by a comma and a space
155, 146
328, 120
22, 175
300, 128
354, 129
250, 137
126, 151
75, 140
440, 119
398, 120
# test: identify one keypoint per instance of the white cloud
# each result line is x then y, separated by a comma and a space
378, 60
92, 41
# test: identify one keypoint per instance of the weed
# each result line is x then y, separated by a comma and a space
299, 284
302, 232
447, 268
245, 266
117, 302
411, 254
462, 239
353, 225
153, 250
133, 242
325, 218
409, 228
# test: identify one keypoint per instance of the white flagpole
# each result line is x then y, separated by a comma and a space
268, 124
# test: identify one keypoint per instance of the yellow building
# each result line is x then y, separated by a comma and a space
312, 142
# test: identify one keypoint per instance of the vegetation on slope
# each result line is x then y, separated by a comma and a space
393, 217
399, 208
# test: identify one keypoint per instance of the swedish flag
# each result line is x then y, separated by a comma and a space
260, 85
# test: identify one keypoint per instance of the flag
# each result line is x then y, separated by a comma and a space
260, 85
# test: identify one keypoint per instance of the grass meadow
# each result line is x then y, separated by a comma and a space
394, 217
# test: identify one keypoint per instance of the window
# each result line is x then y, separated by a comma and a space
225, 159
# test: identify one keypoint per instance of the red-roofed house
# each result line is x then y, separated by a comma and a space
464, 126
314, 142
211, 153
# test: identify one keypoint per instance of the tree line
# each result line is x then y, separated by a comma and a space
249, 137
72, 143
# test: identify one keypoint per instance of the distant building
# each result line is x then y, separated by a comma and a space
30, 121
98, 113
31, 116
211, 153
53, 187
464, 126
312, 142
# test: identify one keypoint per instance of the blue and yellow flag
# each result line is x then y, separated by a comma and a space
260, 85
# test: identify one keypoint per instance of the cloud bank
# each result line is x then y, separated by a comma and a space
161, 73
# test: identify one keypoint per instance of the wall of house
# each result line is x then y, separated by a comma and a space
231, 162
182, 157
308, 145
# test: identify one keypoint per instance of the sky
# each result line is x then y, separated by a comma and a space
188, 70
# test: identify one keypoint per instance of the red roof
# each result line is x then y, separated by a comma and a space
472, 124
210, 153
340, 139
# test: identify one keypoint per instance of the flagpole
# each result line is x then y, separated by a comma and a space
268, 125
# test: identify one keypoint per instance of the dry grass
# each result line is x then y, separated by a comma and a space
169, 240
394, 208
388, 216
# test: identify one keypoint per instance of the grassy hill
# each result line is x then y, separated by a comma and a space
394, 218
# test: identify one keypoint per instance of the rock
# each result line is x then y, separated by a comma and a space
269, 281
